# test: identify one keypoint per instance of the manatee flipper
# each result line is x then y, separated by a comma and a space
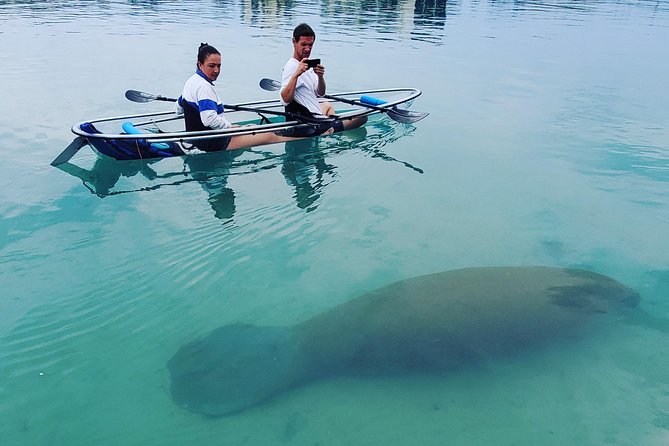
235, 367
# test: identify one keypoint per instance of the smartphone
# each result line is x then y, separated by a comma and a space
311, 63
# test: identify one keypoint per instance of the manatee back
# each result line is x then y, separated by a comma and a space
449, 318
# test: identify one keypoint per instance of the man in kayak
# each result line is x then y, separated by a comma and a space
203, 109
303, 82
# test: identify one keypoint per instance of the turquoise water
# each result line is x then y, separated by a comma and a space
547, 144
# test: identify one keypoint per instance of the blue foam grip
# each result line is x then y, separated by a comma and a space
370, 100
130, 129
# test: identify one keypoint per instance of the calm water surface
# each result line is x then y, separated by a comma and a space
547, 144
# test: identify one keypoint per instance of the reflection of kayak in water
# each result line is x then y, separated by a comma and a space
106, 176
306, 170
307, 165
212, 172
162, 133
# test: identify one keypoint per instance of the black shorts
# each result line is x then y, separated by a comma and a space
308, 130
213, 144
313, 129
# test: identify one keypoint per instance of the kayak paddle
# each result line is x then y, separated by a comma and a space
140, 96
396, 114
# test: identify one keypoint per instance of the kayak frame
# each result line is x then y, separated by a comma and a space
153, 143
252, 129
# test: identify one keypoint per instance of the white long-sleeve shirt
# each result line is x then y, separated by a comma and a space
199, 93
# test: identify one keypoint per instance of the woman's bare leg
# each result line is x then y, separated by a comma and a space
260, 139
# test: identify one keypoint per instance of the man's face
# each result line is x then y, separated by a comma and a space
303, 47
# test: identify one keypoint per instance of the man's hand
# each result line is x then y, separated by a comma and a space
319, 70
302, 67
288, 91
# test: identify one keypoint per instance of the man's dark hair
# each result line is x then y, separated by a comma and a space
303, 30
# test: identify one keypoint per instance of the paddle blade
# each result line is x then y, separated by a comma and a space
270, 84
69, 151
397, 114
406, 116
140, 96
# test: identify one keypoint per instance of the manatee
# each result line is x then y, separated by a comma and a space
425, 324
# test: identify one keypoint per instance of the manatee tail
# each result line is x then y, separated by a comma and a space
235, 367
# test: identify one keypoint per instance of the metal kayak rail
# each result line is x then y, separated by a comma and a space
166, 116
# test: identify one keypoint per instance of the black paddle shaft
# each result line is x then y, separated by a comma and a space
140, 96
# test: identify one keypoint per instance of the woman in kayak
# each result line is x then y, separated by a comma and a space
203, 109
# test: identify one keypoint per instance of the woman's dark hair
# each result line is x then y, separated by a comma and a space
204, 51
303, 30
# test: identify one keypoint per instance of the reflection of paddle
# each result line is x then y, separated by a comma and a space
396, 114
140, 96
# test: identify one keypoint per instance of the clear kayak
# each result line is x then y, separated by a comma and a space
162, 134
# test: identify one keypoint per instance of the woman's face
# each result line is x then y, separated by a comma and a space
211, 66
